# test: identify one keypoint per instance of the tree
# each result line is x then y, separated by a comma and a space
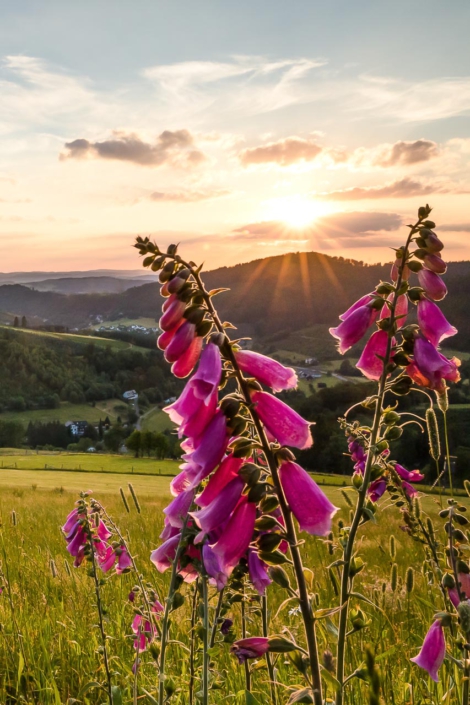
100, 430
134, 442
24, 322
113, 438
90, 432
16, 322
162, 446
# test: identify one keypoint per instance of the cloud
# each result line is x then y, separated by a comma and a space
175, 148
338, 226
400, 154
187, 196
455, 227
284, 152
403, 188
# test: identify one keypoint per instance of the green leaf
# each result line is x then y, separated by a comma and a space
116, 695
327, 612
250, 698
301, 696
330, 679
150, 697
89, 686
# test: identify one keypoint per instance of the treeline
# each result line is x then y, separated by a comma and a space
38, 372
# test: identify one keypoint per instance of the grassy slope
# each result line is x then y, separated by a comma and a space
84, 462
83, 339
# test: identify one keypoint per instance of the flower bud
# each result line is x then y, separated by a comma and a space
280, 645
415, 265
391, 417
269, 503
266, 523
448, 581
230, 407
279, 576
269, 542
273, 558
393, 433
464, 613
250, 473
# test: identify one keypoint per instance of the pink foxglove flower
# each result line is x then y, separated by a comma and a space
188, 360
430, 368
214, 567
173, 313
282, 422
180, 342
227, 471
401, 309
310, 506
435, 263
220, 508
433, 244
124, 562
167, 336
354, 327
266, 370
410, 475
432, 322
258, 572
432, 284
178, 509
395, 268
376, 489
163, 556
209, 451
433, 651
363, 301
371, 361
253, 647
237, 535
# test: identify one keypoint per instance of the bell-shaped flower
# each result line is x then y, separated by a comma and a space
178, 509
409, 475
179, 483
186, 363
432, 322
163, 556
371, 362
266, 370
167, 336
430, 368
180, 342
237, 535
173, 313
252, 647
310, 506
464, 580
209, 451
282, 422
363, 301
106, 556
227, 471
214, 567
354, 327
376, 489
435, 263
396, 268
433, 244
124, 562
258, 571
433, 651
432, 284
401, 309
220, 508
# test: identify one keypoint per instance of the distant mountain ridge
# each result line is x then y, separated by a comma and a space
284, 293
27, 277
88, 285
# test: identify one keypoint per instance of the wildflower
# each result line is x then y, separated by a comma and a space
177, 509
173, 313
310, 506
363, 301
220, 508
237, 534
167, 336
401, 308
253, 647
163, 556
209, 451
214, 567
226, 626
432, 284
430, 368
124, 560
227, 471
282, 422
188, 360
432, 322
354, 327
435, 263
180, 342
433, 244
258, 572
266, 370
433, 651
371, 362
376, 489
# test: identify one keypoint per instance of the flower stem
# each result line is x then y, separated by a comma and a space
192, 643
246, 664
99, 607
346, 578
205, 640
166, 615
216, 618
269, 663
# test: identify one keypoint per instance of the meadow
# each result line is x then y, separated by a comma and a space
50, 643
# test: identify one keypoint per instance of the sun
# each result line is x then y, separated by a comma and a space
295, 211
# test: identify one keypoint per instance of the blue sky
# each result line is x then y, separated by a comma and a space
241, 129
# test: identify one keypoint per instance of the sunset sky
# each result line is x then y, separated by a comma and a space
241, 129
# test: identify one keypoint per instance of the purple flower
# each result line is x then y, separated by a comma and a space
282, 422
180, 342
220, 508
178, 509
432, 651
410, 475
167, 336
214, 567
354, 327
310, 506
432, 284
430, 368
124, 560
435, 263
163, 556
227, 471
226, 626
258, 572
363, 301
433, 244
188, 360
209, 451
401, 309
395, 267
434, 325
253, 647
376, 489
237, 535
173, 313
266, 370
371, 361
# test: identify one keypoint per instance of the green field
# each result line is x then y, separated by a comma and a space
70, 412
156, 420
86, 462
147, 322
74, 338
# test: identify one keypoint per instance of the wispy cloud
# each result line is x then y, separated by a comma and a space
403, 188
188, 195
455, 227
291, 150
176, 148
